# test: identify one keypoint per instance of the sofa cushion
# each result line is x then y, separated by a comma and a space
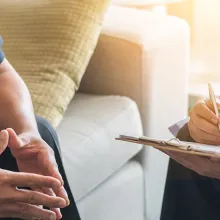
50, 43
119, 198
87, 135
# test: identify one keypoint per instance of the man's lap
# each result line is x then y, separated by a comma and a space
48, 134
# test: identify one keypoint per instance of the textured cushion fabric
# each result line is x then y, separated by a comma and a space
121, 197
87, 135
50, 43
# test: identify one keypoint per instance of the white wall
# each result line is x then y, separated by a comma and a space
206, 44
142, 2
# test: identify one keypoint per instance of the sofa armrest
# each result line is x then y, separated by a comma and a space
145, 56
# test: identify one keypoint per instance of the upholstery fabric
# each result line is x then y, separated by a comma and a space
50, 43
87, 136
118, 198
146, 50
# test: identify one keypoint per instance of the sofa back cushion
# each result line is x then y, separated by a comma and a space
50, 42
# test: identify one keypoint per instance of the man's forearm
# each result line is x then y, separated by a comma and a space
16, 110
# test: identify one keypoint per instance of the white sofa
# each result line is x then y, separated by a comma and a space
145, 57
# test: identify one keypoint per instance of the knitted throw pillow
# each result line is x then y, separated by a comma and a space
50, 42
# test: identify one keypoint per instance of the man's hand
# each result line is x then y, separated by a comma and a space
33, 155
203, 124
4, 138
23, 204
31, 152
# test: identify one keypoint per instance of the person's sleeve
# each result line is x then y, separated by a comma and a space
2, 56
174, 129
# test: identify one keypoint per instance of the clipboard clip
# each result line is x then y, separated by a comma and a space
173, 142
186, 146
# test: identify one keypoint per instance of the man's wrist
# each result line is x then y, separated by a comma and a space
5, 67
29, 136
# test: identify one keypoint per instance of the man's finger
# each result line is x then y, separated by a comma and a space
26, 211
54, 172
4, 137
204, 129
40, 191
31, 180
16, 141
50, 192
61, 192
204, 138
51, 165
203, 111
37, 198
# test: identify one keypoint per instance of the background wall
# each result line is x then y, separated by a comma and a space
206, 46
204, 19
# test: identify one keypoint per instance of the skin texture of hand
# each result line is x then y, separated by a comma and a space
33, 155
24, 204
203, 128
203, 124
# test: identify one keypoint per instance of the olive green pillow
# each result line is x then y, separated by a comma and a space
50, 43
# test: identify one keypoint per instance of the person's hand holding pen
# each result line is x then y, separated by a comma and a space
203, 128
203, 123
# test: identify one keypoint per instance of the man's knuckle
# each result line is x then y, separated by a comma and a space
209, 116
200, 102
5, 178
32, 197
197, 106
24, 208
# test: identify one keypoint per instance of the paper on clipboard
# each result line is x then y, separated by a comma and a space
175, 145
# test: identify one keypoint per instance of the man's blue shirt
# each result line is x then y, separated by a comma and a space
2, 56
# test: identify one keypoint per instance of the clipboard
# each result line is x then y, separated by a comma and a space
175, 145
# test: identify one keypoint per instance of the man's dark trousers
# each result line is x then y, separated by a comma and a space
49, 135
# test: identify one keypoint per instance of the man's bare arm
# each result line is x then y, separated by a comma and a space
16, 109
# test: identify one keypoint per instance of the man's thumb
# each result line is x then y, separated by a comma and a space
3, 141
16, 141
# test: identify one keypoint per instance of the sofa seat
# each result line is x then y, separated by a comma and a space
87, 136
119, 198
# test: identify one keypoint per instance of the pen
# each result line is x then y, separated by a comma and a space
213, 100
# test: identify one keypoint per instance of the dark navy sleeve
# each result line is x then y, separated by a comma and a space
2, 56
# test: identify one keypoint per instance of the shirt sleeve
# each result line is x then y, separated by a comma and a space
174, 129
2, 56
